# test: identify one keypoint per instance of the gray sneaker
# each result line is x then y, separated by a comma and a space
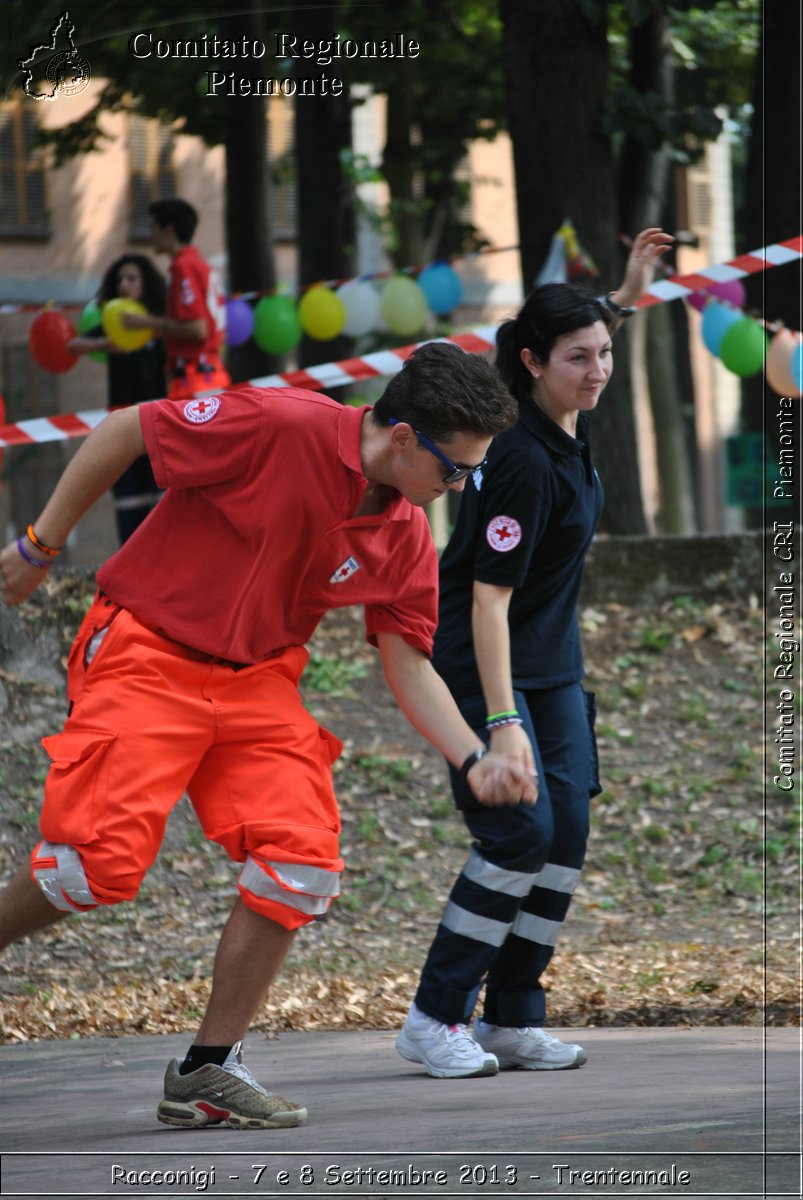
447, 1051
227, 1095
530, 1048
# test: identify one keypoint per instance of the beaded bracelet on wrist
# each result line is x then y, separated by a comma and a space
502, 722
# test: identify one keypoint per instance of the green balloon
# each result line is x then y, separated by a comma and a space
277, 328
92, 318
744, 347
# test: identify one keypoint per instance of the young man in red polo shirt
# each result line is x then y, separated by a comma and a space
279, 506
194, 326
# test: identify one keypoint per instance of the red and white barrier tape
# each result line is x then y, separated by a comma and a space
677, 286
326, 375
388, 362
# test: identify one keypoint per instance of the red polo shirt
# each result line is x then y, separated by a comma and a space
255, 539
194, 293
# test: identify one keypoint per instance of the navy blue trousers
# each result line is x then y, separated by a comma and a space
507, 905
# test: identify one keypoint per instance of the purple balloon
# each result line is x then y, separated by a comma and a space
731, 292
239, 322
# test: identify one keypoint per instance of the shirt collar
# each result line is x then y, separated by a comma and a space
536, 421
349, 432
348, 449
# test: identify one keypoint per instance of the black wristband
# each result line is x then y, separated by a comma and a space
473, 758
618, 310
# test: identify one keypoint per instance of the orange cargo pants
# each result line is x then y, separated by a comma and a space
150, 719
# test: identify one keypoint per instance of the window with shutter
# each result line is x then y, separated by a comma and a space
153, 177
23, 204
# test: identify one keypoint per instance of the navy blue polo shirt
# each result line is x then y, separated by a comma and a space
525, 522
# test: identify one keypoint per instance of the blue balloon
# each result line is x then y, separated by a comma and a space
796, 366
441, 286
717, 320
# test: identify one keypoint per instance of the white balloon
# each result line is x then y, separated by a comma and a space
361, 301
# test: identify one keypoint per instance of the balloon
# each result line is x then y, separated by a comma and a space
403, 305
239, 322
717, 319
276, 325
796, 366
47, 341
743, 347
731, 292
322, 314
441, 286
779, 363
92, 318
124, 339
361, 302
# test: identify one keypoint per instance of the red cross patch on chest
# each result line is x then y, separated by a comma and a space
345, 571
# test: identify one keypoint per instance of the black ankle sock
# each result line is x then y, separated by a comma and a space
198, 1056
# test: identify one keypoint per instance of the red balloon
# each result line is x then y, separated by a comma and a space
47, 341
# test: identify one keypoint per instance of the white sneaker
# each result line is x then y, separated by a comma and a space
530, 1048
447, 1051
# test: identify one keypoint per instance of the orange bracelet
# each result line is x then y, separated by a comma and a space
34, 540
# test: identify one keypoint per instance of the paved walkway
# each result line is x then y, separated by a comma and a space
656, 1112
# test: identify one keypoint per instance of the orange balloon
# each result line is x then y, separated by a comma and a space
779, 363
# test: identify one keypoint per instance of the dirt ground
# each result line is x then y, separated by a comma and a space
687, 909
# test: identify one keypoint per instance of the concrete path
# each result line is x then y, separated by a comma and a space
656, 1112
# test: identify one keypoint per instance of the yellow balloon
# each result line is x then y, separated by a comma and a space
779, 363
322, 314
124, 339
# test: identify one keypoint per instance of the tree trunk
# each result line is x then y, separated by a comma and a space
556, 74
326, 232
772, 202
399, 166
247, 201
644, 177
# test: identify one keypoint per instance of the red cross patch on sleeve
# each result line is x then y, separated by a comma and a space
202, 409
503, 533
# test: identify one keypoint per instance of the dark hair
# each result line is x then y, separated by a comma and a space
442, 391
549, 312
178, 213
154, 288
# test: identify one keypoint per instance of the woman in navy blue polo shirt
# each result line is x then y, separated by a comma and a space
508, 645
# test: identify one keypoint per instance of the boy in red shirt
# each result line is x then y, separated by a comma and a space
194, 326
280, 505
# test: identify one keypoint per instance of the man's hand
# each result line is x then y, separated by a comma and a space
496, 781
19, 578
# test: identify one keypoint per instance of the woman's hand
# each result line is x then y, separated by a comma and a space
512, 742
644, 255
497, 781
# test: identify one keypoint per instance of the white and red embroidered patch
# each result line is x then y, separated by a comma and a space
202, 409
503, 533
345, 571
